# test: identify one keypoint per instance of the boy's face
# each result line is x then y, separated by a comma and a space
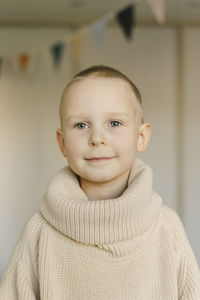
99, 121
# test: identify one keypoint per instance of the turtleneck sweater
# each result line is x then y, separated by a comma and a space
129, 247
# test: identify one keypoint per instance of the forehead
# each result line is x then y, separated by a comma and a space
98, 90
100, 83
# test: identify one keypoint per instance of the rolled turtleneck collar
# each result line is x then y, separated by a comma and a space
103, 223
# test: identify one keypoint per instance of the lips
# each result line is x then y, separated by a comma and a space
98, 158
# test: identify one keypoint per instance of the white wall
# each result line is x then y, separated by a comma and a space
191, 135
29, 119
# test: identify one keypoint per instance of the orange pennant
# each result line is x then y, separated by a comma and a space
24, 60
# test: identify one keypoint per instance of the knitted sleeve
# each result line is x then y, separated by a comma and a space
189, 273
20, 281
191, 284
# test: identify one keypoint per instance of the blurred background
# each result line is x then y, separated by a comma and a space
44, 43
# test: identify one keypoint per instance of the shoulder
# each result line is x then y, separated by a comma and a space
173, 226
34, 227
170, 217
26, 247
35, 224
29, 238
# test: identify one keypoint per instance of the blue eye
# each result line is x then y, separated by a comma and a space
79, 124
115, 123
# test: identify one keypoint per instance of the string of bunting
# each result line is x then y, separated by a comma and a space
124, 16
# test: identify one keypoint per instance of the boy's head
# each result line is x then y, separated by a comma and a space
101, 115
106, 72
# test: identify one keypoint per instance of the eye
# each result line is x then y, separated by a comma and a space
115, 123
76, 126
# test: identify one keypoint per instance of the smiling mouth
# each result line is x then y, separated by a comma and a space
98, 158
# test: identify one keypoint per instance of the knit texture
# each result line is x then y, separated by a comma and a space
130, 247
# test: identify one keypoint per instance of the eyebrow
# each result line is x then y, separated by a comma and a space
109, 114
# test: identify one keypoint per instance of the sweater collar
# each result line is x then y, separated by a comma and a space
102, 222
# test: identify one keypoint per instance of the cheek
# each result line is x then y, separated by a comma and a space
74, 145
125, 143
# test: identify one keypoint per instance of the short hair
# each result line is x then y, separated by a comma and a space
106, 72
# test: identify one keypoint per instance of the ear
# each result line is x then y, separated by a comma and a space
144, 137
60, 140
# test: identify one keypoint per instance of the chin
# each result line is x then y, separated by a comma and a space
99, 177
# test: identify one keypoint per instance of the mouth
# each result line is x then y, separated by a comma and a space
98, 158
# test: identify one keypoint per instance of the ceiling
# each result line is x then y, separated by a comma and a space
79, 12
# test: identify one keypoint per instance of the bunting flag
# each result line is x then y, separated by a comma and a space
158, 9
126, 20
125, 17
57, 51
76, 43
98, 30
23, 61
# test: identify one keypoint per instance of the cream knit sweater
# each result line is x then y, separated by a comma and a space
129, 248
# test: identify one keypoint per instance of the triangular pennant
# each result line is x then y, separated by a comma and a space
57, 51
98, 30
126, 20
158, 9
23, 61
76, 43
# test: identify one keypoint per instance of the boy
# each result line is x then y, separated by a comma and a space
102, 232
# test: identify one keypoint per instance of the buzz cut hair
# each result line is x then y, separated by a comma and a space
105, 72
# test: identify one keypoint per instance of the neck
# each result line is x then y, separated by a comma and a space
105, 190
103, 222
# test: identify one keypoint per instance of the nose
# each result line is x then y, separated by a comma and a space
97, 138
